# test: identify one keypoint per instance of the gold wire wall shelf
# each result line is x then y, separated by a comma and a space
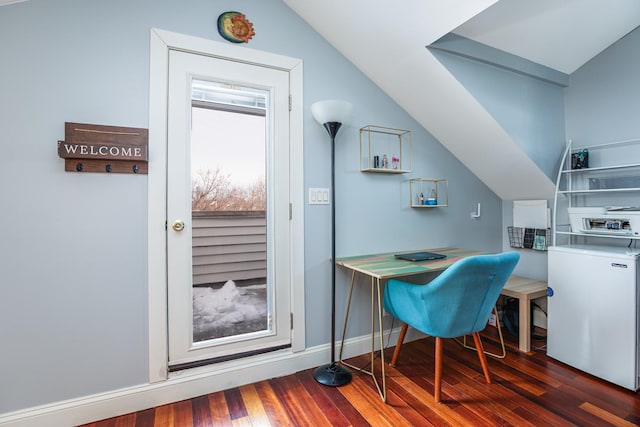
385, 150
429, 192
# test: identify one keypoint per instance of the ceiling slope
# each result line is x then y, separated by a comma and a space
453, 116
562, 35
387, 44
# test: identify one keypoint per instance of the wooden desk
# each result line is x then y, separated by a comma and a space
524, 290
381, 267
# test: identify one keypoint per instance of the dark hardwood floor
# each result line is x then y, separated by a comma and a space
527, 390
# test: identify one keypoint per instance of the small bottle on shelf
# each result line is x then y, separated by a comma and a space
395, 162
385, 161
432, 199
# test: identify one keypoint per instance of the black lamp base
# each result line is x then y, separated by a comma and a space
332, 375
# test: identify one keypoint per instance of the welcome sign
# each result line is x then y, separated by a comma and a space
88, 151
98, 148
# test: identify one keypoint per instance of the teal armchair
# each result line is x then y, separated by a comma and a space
458, 302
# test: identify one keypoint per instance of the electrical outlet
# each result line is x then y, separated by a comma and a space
492, 320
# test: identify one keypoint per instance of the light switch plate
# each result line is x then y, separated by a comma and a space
318, 196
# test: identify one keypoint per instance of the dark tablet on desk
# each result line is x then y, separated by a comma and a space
420, 256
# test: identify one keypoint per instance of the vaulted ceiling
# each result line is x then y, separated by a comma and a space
386, 40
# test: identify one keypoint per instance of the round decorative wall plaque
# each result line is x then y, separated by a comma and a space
235, 27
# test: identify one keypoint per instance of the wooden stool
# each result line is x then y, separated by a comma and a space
524, 290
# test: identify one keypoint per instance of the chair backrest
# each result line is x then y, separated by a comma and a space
457, 302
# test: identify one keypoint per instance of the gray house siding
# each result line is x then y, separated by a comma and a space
228, 246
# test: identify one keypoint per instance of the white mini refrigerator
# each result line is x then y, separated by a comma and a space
593, 320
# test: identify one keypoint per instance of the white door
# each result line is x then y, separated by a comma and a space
216, 280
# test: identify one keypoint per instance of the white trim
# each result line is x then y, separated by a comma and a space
8, 2
161, 42
224, 50
156, 205
187, 385
296, 191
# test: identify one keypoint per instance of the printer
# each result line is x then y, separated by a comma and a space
618, 221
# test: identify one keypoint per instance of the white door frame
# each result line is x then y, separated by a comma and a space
161, 43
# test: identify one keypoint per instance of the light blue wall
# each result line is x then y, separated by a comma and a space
530, 110
73, 311
73, 259
603, 105
603, 97
527, 102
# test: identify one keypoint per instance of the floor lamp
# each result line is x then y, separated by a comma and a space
332, 114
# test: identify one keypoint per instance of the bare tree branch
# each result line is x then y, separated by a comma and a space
212, 191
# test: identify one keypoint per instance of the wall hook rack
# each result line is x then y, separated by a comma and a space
105, 149
476, 215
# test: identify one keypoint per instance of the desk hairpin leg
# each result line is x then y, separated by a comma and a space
375, 291
346, 316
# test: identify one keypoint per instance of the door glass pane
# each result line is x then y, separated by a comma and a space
231, 298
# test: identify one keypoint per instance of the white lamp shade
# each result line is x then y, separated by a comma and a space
331, 110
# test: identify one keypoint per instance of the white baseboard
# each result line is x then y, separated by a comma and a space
188, 384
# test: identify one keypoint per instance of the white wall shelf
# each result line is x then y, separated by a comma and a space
607, 181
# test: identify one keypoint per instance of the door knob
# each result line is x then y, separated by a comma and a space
178, 225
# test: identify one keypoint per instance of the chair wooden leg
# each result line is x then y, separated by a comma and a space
438, 376
396, 352
481, 356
